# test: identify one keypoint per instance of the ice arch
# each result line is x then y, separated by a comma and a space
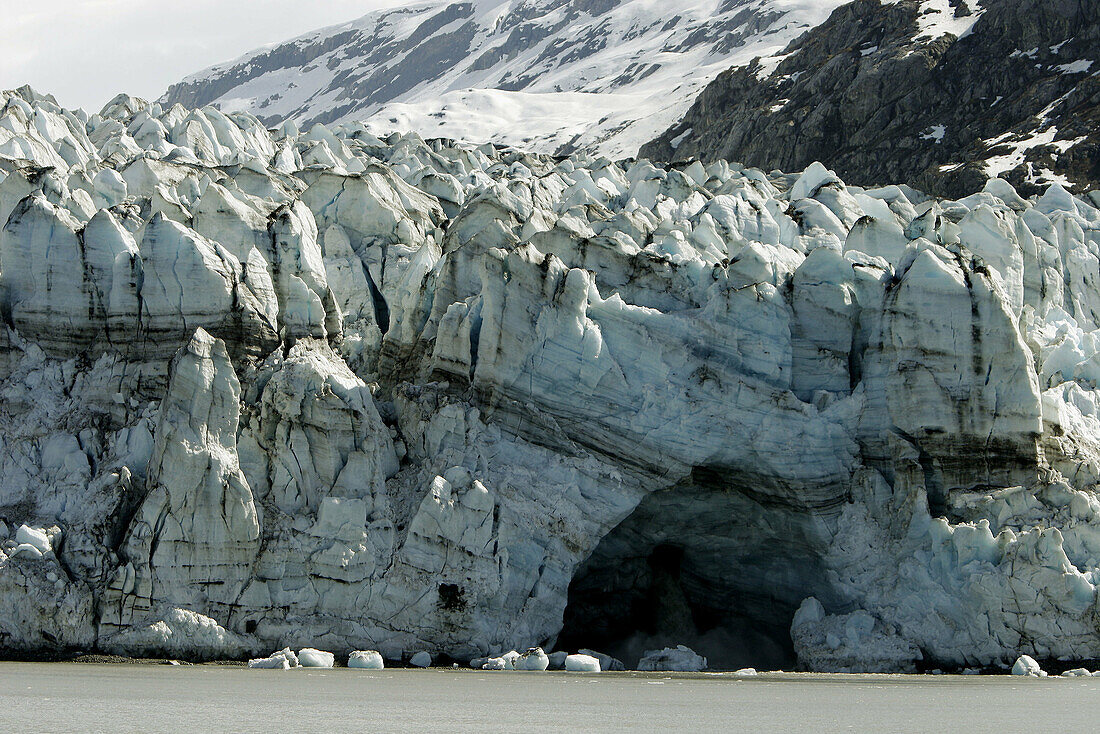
702, 565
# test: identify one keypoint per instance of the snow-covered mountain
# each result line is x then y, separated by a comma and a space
550, 75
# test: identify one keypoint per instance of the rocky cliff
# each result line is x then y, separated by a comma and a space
269, 387
940, 95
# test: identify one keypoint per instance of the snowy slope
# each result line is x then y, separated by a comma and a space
548, 74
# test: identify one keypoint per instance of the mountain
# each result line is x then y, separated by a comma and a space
262, 388
935, 94
550, 75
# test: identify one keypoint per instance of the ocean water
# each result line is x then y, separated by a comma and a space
56, 697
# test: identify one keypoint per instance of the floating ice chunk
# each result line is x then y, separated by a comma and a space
1077, 673
557, 660
1026, 665
745, 672
311, 658
582, 664
366, 659
421, 660
533, 659
26, 535
680, 659
510, 658
290, 656
606, 661
277, 661
495, 664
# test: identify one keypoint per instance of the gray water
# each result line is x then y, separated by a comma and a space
56, 697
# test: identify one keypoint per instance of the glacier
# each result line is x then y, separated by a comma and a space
265, 389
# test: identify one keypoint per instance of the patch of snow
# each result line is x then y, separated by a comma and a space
936, 132
936, 18
1077, 67
675, 142
1005, 162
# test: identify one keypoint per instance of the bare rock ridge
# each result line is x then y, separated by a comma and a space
262, 388
934, 94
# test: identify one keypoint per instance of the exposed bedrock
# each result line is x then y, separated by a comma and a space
422, 396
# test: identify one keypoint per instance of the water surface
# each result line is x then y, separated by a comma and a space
130, 698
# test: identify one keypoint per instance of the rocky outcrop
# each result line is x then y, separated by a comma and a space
430, 397
934, 94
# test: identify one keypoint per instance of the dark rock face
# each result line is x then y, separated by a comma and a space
865, 93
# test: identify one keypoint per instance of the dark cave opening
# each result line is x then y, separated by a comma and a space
710, 570
647, 604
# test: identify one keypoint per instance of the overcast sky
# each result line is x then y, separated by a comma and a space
84, 52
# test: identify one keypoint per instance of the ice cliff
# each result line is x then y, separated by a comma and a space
282, 387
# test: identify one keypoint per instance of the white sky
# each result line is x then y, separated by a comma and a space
84, 52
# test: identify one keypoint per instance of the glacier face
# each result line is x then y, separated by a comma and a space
547, 75
267, 388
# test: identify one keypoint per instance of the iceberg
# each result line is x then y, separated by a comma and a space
366, 659
311, 658
679, 659
1025, 665
533, 659
582, 664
